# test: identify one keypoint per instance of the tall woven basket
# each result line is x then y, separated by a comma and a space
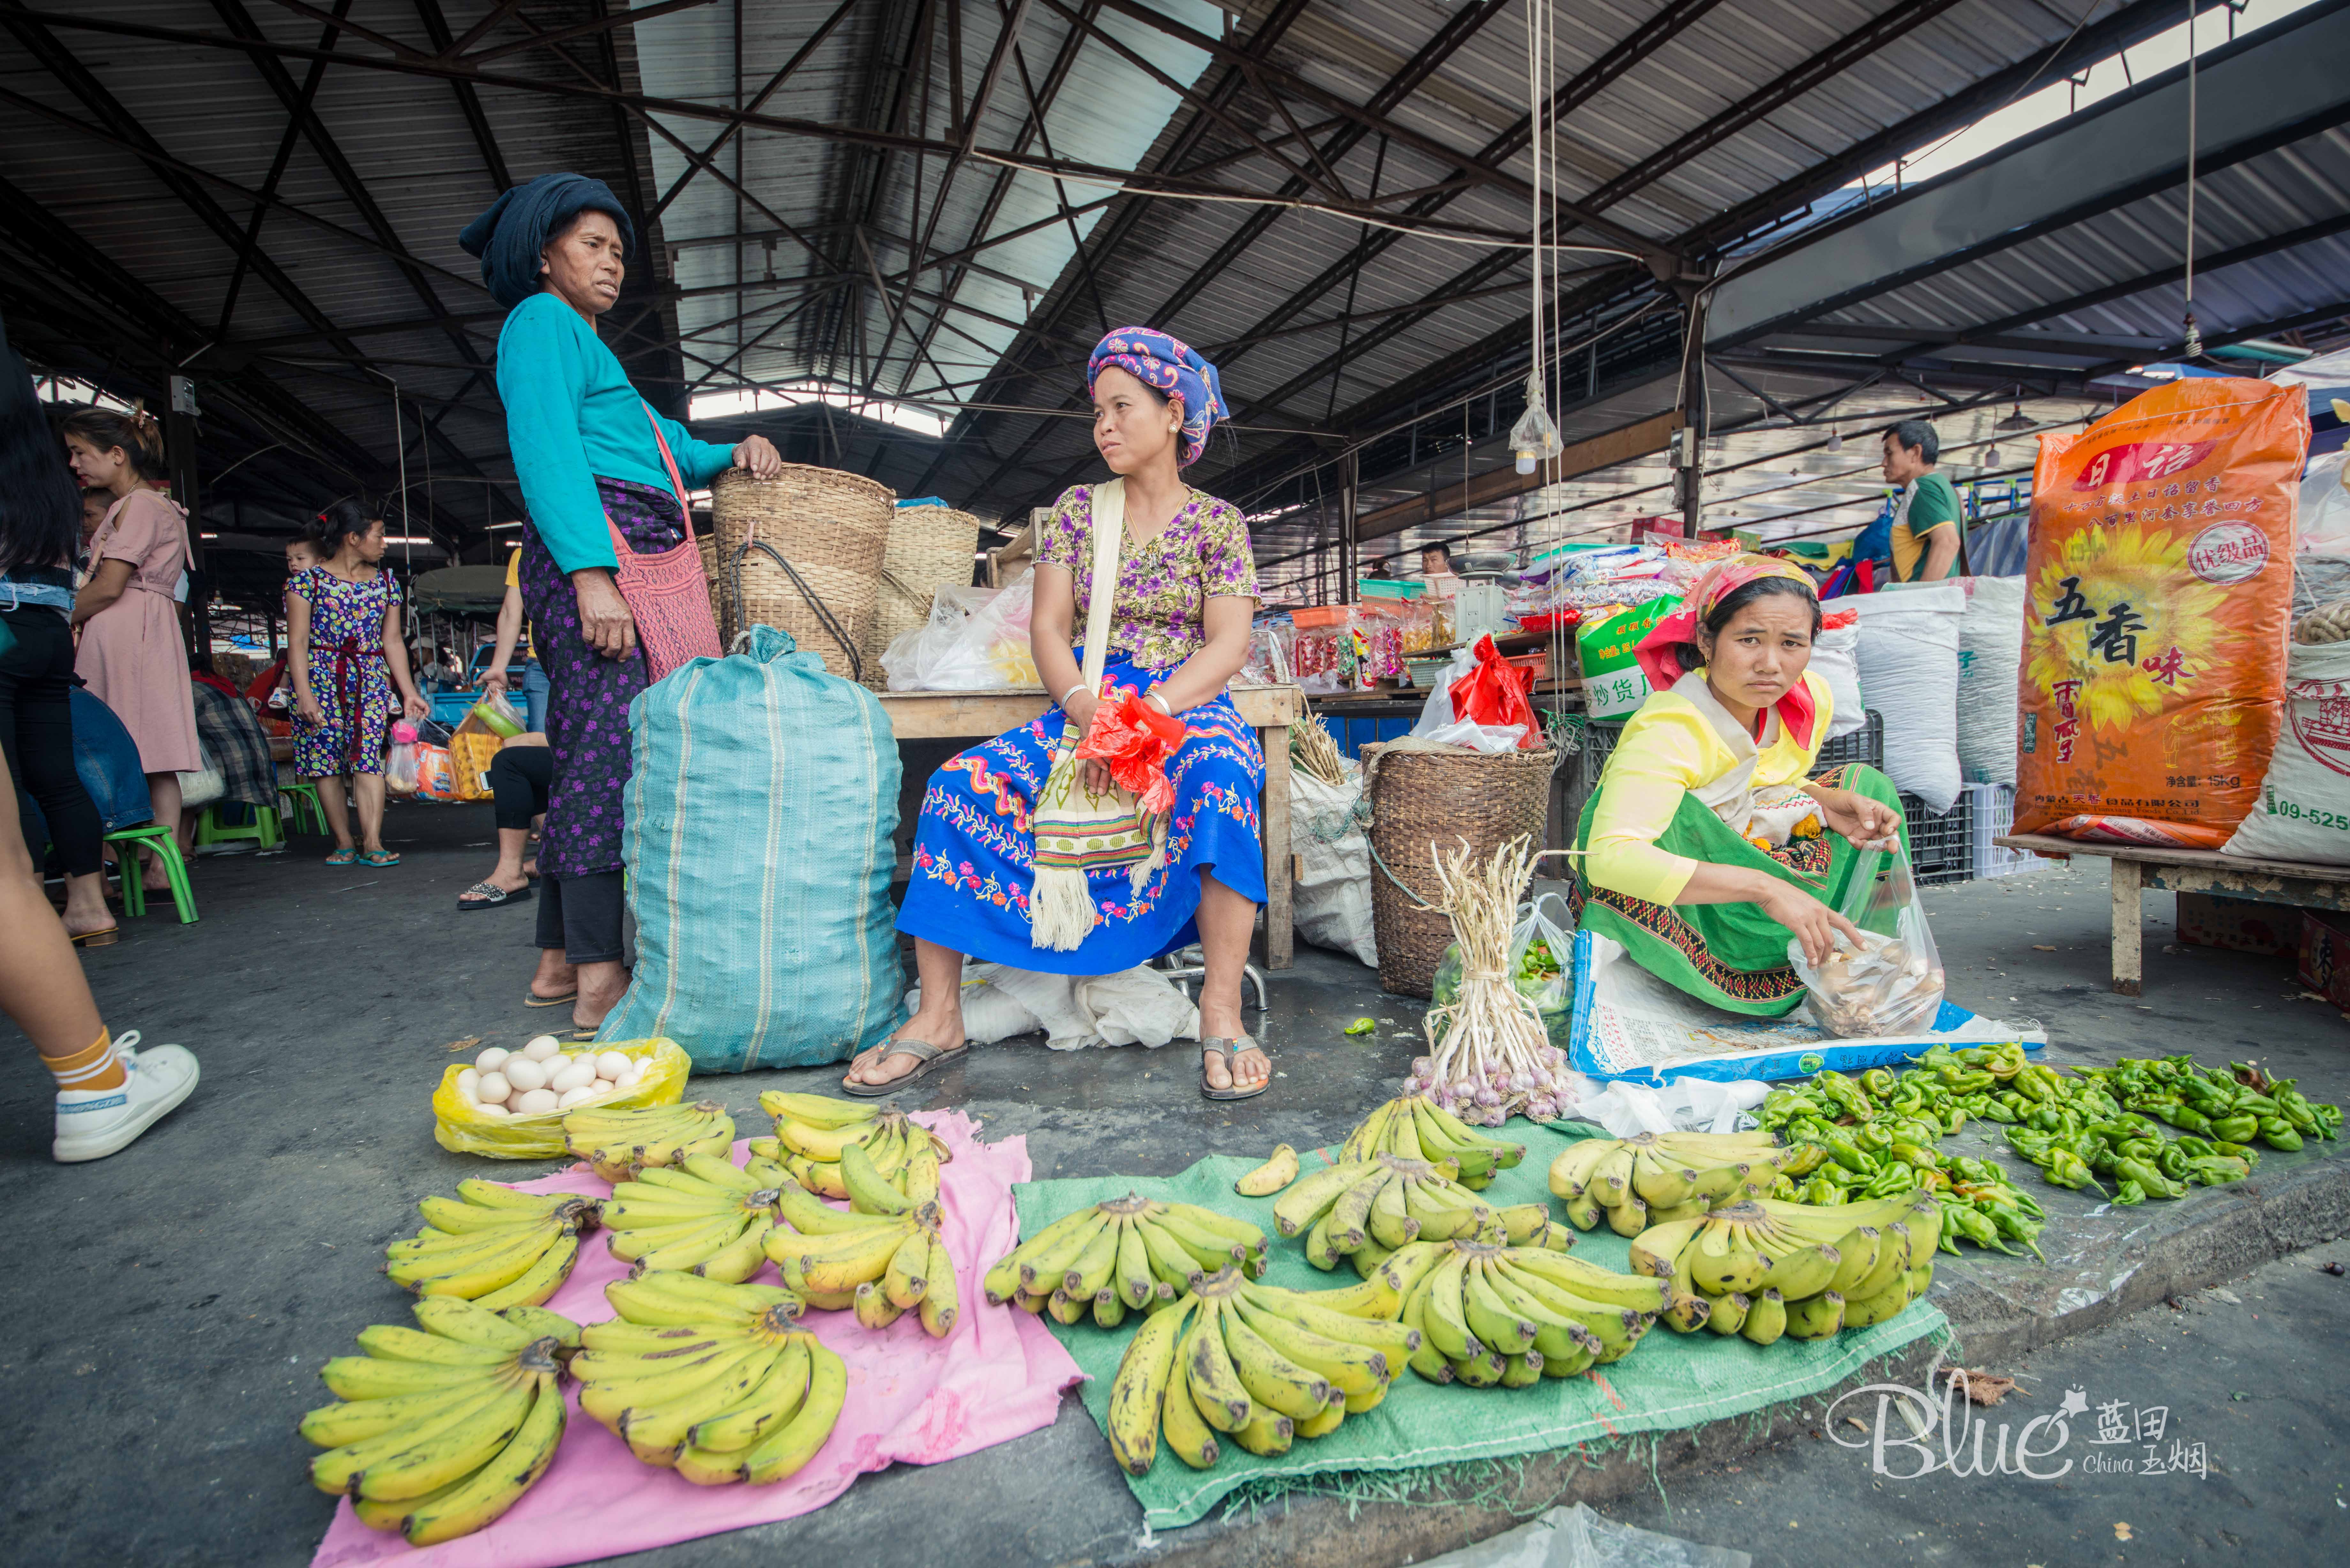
929, 546
802, 553
1440, 797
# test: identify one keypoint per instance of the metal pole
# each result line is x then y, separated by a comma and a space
1347, 545
1694, 414
180, 444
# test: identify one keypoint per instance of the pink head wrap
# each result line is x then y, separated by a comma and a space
1660, 652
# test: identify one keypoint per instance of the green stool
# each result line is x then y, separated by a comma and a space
303, 812
157, 837
263, 829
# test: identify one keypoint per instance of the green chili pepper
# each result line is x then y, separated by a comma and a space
1878, 1082
2237, 1128
1362, 1026
2013, 1225
1915, 1154
2195, 1147
1992, 1110
1851, 1156
2129, 1193
2185, 1117
2156, 1184
1893, 1180
1875, 1138
1822, 1193
2329, 1119
2245, 1152
2278, 1133
2066, 1168
1976, 1228
1954, 1120
2216, 1172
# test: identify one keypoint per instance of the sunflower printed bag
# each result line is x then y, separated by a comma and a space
2158, 595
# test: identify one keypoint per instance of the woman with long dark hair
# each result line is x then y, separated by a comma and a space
133, 656
604, 478
345, 654
40, 536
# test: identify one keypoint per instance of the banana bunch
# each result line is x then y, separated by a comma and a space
882, 1265
1127, 1254
1491, 1313
1763, 1267
812, 1134
1378, 1203
711, 1380
620, 1142
1257, 1363
701, 1214
439, 1431
493, 1245
1653, 1179
1417, 1128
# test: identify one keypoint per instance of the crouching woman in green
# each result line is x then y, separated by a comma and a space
1707, 846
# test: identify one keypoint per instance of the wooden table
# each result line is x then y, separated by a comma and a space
2138, 867
1270, 710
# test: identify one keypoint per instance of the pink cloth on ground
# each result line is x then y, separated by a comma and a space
913, 1399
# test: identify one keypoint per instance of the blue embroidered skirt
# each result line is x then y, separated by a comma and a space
973, 846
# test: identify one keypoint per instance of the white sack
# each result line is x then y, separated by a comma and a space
1835, 659
1990, 661
1678, 1104
1138, 1006
1331, 895
1910, 668
2305, 809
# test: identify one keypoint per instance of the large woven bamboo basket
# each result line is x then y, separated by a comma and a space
708, 545
1418, 798
802, 552
930, 547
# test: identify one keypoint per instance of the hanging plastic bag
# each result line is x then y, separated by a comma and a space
977, 640
1541, 949
1893, 982
500, 717
1437, 711
436, 773
400, 763
460, 1126
1497, 692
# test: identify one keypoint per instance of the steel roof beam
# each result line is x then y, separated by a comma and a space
286, 145
808, 45
469, 102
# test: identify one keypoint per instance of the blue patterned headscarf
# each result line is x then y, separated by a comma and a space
513, 230
1170, 365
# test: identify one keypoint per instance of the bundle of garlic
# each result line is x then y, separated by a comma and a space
1490, 1056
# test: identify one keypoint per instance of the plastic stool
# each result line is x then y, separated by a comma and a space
302, 811
263, 829
157, 837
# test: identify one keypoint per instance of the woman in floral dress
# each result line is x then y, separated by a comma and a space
345, 654
1186, 590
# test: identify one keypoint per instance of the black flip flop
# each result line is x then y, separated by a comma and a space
492, 896
926, 1055
1230, 1050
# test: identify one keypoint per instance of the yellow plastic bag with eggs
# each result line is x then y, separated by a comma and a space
462, 1127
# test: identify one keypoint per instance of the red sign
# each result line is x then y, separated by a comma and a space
2138, 460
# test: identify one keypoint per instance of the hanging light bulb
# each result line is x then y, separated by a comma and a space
1835, 439
1991, 457
1534, 437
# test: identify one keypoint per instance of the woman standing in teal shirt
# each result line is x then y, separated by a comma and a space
599, 472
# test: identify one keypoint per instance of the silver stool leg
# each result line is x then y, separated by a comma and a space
1187, 965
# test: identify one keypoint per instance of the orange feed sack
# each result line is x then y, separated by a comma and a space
2159, 593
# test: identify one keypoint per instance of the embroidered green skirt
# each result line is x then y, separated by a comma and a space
1732, 955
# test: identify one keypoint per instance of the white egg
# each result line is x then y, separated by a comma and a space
630, 1079
490, 1060
493, 1089
540, 1049
524, 1073
612, 1065
573, 1097
576, 1074
490, 1110
469, 1086
533, 1102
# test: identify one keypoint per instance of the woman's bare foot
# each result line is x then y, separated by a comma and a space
601, 986
1250, 1067
554, 977
882, 1065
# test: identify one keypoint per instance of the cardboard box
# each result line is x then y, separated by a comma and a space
2242, 925
2325, 955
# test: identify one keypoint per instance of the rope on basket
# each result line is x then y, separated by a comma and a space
824, 615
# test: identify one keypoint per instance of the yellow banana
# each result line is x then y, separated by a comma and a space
869, 1190
656, 1434
844, 1267
1816, 1317
1272, 1379
1766, 1320
1090, 1269
941, 1297
1187, 1434
1133, 1279
482, 1497
1349, 1369
348, 1422
816, 1110
906, 1278
776, 1399
371, 1377
1140, 1391
1490, 1321
1266, 1433
453, 1453
1277, 1172
1215, 1384
798, 1440
540, 1281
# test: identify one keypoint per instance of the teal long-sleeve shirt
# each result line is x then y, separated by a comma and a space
572, 415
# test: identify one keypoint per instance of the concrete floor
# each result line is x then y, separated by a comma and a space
174, 1302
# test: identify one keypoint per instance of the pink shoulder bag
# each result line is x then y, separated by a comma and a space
668, 595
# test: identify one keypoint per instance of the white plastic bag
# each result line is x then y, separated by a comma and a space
1991, 659
1910, 668
1893, 982
1835, 659
1487, 738
2305, 809
1332, 890
400, 761
1679, 1105
976, 640
1138, 1006
1437, 711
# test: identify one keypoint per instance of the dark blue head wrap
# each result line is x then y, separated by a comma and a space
1175, 371
509, 236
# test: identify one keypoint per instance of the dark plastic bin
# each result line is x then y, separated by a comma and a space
1942, 847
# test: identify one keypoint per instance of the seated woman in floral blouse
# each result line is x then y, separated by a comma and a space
1186, 590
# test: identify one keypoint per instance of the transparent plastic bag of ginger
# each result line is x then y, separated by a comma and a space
2159, 594
466, 1128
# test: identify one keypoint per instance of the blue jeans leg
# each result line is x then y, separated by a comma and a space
533, 695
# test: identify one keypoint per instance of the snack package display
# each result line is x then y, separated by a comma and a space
1322, 653
2157, 597
1605, 645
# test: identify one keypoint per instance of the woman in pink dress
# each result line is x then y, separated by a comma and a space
132, 655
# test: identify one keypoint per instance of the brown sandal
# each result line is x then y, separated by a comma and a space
927, 1058
1230, 1050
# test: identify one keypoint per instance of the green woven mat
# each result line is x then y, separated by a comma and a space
1670, 1381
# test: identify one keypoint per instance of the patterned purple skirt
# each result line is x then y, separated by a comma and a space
587, 694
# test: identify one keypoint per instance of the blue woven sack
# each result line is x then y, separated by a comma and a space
761, 816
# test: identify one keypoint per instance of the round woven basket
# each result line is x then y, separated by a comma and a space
708, 545
802, 552
930, 547
1418, 798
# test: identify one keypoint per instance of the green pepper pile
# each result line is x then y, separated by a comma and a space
1878, 1135
2102, 1124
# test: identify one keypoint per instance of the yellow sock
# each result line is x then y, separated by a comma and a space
94, 1066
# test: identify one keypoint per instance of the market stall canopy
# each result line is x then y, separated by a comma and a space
462, 589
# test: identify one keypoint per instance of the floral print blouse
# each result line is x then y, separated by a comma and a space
1163, 586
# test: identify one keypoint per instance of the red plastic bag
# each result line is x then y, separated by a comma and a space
1134, 740
1497, 692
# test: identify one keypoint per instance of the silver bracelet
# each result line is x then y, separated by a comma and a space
1072, 691
1154, 695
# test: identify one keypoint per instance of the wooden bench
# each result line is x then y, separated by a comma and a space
1270, 709
2138, 867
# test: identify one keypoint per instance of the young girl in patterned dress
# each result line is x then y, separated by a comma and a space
1186, 590
345, 655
